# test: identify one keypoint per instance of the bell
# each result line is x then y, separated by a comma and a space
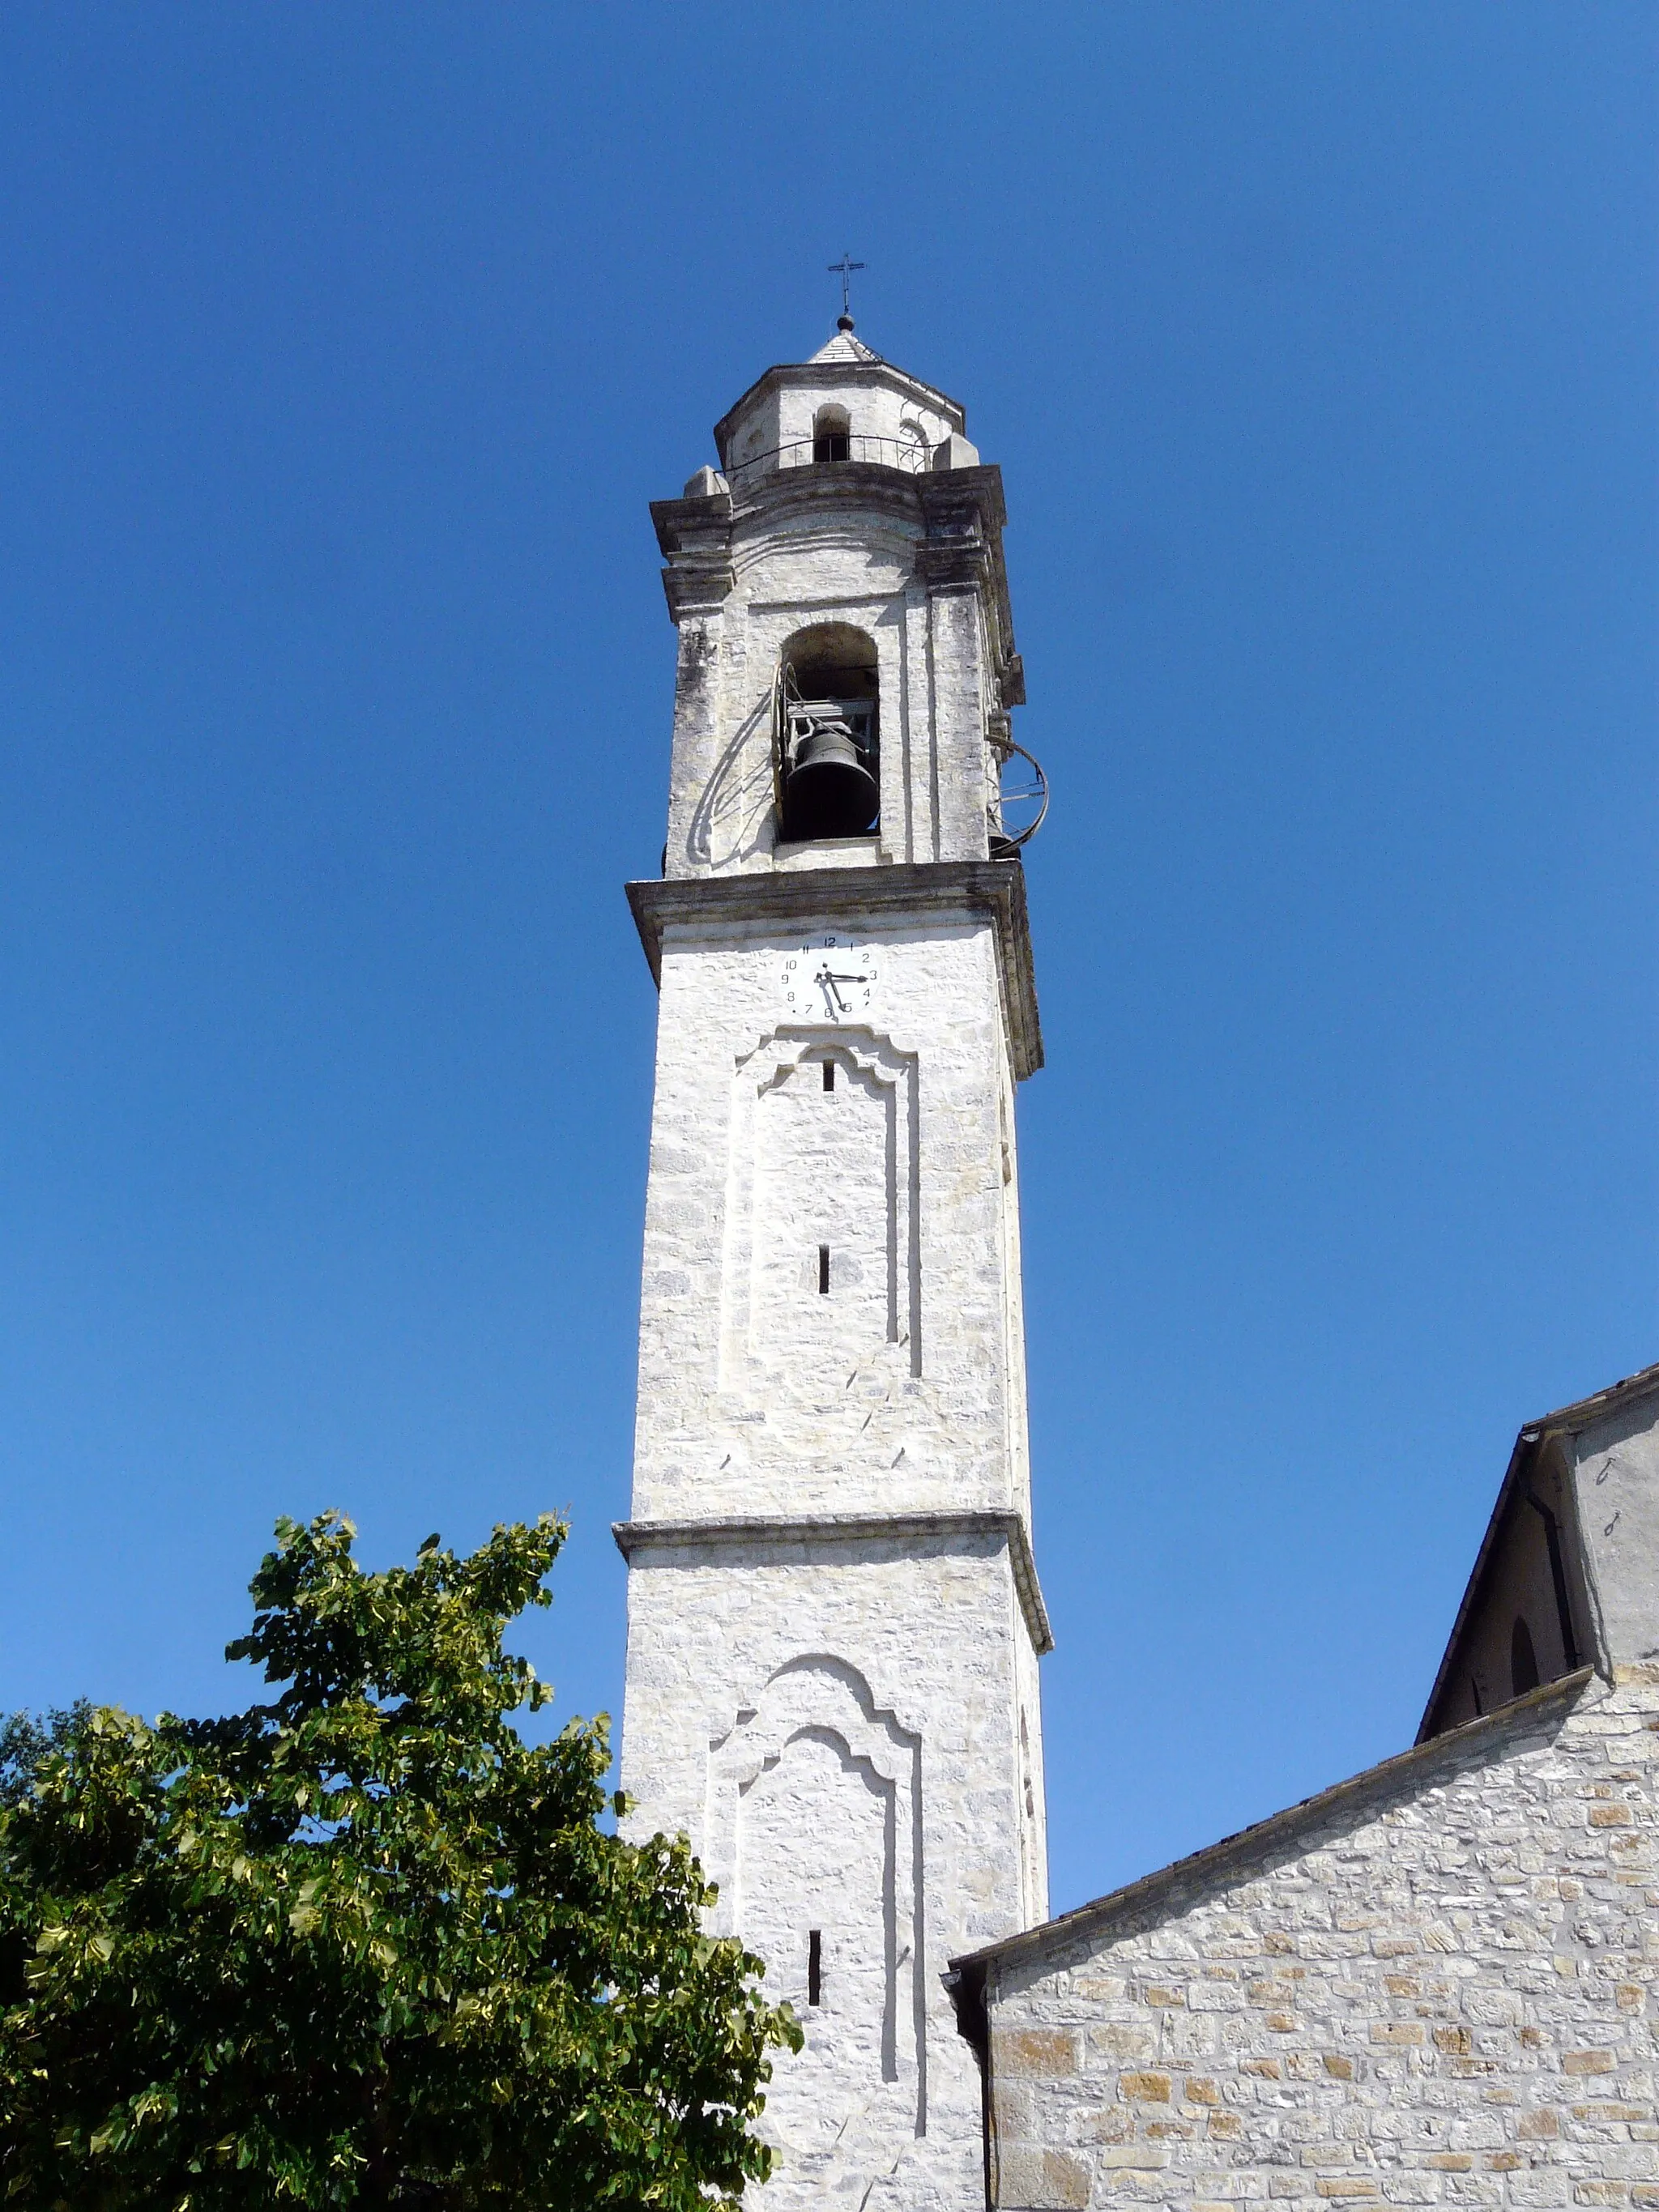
830, 792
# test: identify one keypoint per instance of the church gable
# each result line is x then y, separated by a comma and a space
1444, 1968
1436, 1982
1568, 1572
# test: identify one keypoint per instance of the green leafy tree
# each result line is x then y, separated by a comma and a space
363, 1945
25, 1741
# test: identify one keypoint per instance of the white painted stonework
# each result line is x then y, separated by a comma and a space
834, 1619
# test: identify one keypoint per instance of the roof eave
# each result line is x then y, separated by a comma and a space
1246, 1843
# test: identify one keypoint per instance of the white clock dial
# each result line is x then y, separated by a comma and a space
828, 978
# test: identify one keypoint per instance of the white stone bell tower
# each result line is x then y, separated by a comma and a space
834, 1620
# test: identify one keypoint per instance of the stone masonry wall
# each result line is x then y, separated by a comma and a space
732, 1422
1437, 1988
902, 1656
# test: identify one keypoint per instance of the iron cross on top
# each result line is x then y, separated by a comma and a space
844, 269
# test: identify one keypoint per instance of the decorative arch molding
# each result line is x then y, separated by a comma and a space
817, 1697
872, 1064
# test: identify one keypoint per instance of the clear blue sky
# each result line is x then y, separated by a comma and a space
341, 350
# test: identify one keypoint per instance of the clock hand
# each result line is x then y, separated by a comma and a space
830, 992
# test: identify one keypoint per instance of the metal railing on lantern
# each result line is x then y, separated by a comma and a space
824, 763
911, 457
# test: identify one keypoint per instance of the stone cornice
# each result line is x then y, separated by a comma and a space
962, 513
920, 889
832, 1529
695, 538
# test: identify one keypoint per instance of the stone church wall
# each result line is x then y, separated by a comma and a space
1435, 1984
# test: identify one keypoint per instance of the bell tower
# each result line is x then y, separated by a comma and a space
834, 1618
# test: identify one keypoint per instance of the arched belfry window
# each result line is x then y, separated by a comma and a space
831, 435
827, 746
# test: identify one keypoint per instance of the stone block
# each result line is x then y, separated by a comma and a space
1119, 2043
1040, 2050
955, 452
1030, 2181
1144, 2088
1114, 2124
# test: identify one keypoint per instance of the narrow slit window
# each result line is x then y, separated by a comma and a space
828, 1074
815, 1966
823, 1270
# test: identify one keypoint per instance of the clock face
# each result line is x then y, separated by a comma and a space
828, 978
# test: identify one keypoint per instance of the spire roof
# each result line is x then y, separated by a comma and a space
843, 347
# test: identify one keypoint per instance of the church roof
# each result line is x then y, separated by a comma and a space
843, 347
1174, 1888
1583, 1411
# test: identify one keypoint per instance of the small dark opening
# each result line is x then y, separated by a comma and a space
823, 1269
814, 1966
1523, 1660
828, 1074
830, 440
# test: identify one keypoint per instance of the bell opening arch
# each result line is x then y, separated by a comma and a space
827, 735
